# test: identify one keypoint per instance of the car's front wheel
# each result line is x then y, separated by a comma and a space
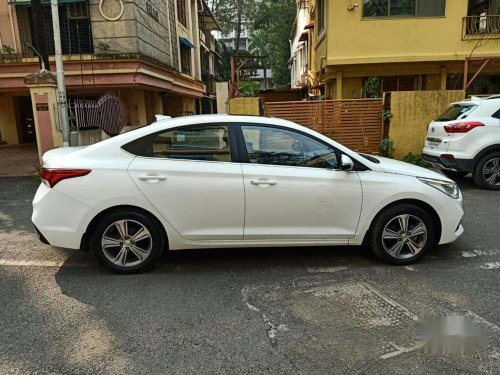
127, 241
402, 234
487, 172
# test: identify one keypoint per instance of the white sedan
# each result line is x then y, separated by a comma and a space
237, 181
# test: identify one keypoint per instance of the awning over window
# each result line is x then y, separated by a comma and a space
186, 42
44, 2
304, 36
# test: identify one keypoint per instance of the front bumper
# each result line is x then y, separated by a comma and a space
451, 214
459, 165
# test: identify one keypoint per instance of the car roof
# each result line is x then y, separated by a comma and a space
475, 100
166, 123
111, 146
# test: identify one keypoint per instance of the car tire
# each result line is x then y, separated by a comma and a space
454, 175
411, 246
491, 162
128, 241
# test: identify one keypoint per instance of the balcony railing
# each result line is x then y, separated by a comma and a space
481, 27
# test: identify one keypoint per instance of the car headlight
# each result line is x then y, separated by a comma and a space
448, 187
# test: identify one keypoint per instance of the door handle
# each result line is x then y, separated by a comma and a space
262, 182
152, 178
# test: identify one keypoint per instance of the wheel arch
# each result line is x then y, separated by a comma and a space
483, 152
86, 238
419, 203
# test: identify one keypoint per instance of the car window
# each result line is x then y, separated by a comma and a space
204, 142
496, 114
453, 112
276, 146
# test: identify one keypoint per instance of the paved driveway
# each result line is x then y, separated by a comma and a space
291, 311
18, 160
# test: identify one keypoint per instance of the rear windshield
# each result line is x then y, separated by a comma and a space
455, 111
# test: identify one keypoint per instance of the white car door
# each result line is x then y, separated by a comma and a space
188, 175
293, 188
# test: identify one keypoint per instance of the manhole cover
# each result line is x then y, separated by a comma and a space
367, 306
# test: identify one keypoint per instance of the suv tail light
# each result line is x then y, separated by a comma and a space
462, 127
52, 176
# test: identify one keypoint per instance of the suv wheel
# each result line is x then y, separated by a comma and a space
402, 234
127, 241
487, 172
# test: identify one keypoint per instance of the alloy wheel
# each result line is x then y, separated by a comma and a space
404, 236
126, 243
491, 171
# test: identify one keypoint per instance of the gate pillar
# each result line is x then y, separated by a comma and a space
43, 91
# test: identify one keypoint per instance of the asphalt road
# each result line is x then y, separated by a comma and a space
300, 310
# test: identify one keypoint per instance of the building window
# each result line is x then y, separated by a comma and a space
181, 12
74, 23
321, 14
400, 83
403, 8
185, 59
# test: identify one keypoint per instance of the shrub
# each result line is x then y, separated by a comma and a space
415, 159
249, 88
386, 147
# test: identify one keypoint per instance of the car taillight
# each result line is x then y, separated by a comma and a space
462, 127
52, 176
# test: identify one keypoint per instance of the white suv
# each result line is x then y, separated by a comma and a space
466, 139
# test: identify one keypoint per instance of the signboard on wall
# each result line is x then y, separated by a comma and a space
42, 107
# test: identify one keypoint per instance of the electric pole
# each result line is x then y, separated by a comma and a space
61, 86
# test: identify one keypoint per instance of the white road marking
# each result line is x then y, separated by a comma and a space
400, 350
490, 266
409, 268
325, 269
477, 252
479, 319
37, 263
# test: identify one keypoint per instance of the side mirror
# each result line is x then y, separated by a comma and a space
346, 163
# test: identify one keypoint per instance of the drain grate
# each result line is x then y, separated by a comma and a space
366, 305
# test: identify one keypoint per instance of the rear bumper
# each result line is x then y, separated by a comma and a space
58, 219
41, 236
459, 165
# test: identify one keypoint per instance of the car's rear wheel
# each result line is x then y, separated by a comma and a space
487, 172
402, 234
454, 175
127, 241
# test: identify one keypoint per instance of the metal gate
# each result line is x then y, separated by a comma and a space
355, 123
107, 113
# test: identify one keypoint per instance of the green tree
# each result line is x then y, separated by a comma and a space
231, 15
271, 22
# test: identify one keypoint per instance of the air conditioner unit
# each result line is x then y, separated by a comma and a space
303, 79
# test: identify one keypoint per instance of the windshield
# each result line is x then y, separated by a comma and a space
455, 111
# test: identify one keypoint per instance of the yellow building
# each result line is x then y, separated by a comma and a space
407, 44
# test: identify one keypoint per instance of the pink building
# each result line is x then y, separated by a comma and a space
145, 52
